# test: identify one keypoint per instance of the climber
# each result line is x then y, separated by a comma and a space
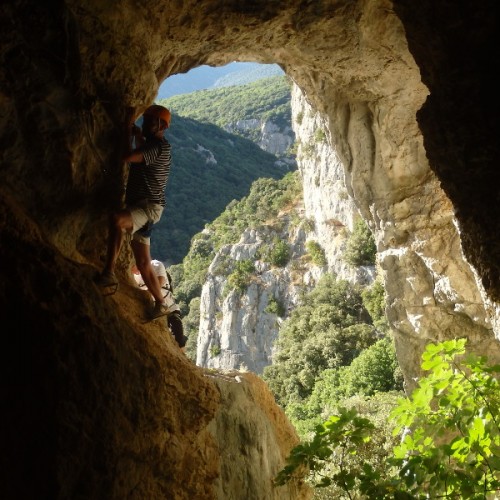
150, 163
174, 320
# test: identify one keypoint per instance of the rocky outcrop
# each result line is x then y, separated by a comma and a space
100, 406
237, 329
269, 136
254, 436
419, 250
327, 202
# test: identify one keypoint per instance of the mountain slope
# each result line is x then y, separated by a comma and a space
248, 73
204, 77
210, 168
267, 98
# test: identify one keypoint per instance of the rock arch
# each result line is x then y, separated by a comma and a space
406, 92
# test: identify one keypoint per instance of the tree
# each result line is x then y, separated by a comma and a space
329, 329
450, 434
360, 249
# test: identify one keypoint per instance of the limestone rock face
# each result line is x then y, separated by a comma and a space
237, 330
326, 200
237, 327
254, 436
99, 405
431, 288
269, 136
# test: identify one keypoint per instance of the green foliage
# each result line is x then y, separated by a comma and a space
277, 254
374, 301
308, 150
327, 330
316, 253
264, 99
360, 249
308, 225
194, 267
191, 324
210, 167
266, 199
251, 72
274, 306
347, 434
451, 438
372, 454
452, 448
292, 150
212, 162
319, 135
240, 278
214, 350
375, 370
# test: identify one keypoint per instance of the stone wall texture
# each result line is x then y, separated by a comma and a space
98, 405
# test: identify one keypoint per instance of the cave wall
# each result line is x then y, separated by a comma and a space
99, 406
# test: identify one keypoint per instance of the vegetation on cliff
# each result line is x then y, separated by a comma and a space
210, 168
266, 198
266, 99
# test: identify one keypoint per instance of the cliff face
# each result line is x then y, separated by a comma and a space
269, 136
238, 329
99, 405
432, 291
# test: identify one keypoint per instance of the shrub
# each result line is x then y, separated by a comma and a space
214, 351
279, 253
325, 331
374, 301
239, 279
275, 307
316, 253
308, 225
319, 135
451, 438
361, 249
452, 448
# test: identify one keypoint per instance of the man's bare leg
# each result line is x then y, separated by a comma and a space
143, 260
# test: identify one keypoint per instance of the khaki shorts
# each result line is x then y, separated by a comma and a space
144, 216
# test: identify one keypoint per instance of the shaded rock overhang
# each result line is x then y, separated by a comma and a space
72, 74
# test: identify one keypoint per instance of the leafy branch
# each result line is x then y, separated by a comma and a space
450, 445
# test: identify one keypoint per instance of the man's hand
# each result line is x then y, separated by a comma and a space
136, 136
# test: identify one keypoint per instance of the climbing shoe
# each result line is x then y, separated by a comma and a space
160, 310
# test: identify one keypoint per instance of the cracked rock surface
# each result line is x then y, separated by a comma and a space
99, 406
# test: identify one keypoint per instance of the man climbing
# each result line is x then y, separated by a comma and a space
150, 163
174, 320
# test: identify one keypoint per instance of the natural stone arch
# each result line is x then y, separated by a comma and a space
352, 62
73, 72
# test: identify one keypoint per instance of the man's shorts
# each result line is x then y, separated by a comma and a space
144, 216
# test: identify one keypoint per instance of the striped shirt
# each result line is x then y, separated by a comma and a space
147, 180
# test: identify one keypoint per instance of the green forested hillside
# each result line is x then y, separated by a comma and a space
205, 77
210, 168
249, 72
268, 98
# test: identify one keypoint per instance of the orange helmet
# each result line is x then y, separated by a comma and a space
158, 111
